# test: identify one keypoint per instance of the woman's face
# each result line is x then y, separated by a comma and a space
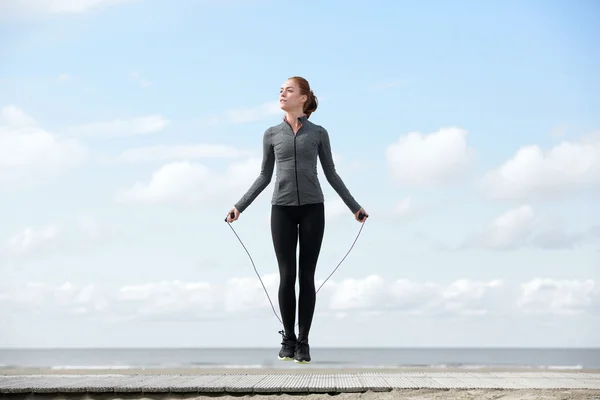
290, 98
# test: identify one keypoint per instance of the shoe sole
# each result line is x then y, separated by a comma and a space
285, 358
301, 362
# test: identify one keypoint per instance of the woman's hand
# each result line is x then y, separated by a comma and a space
236, 214
361, 211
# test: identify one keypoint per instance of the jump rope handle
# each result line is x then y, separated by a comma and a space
231, 214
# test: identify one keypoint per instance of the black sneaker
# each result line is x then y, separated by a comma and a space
302, 351
288, 347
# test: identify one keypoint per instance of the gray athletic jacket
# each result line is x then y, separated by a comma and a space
296, 182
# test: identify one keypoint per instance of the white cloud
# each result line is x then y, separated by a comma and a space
244, 115
522, 226
154, 300
14, 117
168, 298
191, 182
123, 127
27, 150
462, 297
548, 296
32, 239
555, 236
200, 299
247, 294
92, 229
467, 297
371, 295
178, 299
53, 237
534, 173
439, 158
56, 6
407, 209
172, 182
66, 298
511, 229
342, 167
335, 209
188, 182
164, 153
354, 294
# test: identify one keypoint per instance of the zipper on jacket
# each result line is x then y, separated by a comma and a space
296, 169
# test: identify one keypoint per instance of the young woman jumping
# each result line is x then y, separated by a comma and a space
297, 210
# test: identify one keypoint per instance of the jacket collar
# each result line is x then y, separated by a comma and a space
302, 119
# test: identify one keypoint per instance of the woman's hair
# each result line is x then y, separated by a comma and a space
311, 103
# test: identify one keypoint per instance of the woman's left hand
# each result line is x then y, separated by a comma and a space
361, 211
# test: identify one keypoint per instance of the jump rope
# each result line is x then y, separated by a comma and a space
361, 217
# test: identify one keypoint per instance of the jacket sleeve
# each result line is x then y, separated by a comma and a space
264, 178
326, 158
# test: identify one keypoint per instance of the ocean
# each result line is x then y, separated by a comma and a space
442, 358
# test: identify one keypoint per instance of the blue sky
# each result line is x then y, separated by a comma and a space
468, 131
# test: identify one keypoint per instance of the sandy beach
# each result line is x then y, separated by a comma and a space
407, 394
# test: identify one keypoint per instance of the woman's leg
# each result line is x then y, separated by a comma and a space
312, 227
284, 231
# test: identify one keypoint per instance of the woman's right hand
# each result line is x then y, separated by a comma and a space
236, 214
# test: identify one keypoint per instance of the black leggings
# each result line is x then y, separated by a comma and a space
288, 223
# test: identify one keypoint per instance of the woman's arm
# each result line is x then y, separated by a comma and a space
326, 158
266, 173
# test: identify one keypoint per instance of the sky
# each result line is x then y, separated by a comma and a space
469, 131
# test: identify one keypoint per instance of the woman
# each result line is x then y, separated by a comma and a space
297, 210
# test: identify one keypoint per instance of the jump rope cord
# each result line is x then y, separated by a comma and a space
261, 281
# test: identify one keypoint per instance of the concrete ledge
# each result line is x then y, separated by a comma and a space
290, 383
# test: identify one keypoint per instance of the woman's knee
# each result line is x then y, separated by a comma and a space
307, 282
287, 280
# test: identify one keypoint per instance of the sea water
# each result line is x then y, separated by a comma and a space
442, 358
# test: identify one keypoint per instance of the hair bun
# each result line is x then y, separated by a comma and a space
312, 103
